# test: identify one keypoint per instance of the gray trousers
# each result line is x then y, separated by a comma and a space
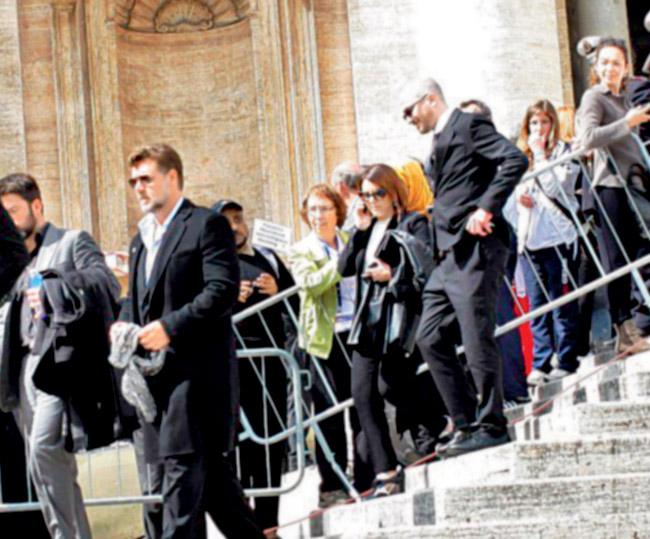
52, 468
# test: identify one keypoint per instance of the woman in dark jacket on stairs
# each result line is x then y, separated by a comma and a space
380, 369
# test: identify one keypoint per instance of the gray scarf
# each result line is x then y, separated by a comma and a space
124, 342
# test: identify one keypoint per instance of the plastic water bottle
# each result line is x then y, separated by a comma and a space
35, 282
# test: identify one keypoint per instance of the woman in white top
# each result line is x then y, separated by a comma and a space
540, 211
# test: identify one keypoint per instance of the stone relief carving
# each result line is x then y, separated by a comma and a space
183, 16
166, 16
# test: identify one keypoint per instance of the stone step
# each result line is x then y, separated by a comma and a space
588, 498
588, 420
625, 387
536, 460
601, 384
628, 526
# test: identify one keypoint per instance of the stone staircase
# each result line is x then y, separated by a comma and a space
579, 468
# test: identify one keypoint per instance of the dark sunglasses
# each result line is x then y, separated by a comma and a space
145, 180
379, 193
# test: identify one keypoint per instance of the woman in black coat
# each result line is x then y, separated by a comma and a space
384, 367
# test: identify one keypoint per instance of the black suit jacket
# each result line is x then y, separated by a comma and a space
473, 167
192, 288
13, 255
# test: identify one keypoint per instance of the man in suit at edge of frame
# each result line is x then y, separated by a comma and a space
474, 170
184, 280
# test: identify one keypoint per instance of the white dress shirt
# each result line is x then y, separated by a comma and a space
152, 234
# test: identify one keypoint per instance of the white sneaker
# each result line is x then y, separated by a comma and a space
537, 378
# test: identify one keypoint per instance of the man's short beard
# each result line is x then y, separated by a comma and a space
28, 230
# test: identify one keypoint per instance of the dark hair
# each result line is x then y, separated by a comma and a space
604, 43
21, 184
386, 178
543, 106
165, 157
480, 105
324, 190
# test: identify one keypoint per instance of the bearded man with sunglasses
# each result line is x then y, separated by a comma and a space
474, 170
183, 283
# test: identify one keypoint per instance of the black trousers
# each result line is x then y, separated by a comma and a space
15, 488
337, 372
587, 272
459, 303
265, 422
224, 501
622, 304
151, 479
392, 376
192, 485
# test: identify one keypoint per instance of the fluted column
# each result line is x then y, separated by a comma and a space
109, 160
77, 189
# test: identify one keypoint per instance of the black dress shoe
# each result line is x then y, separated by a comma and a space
479, 439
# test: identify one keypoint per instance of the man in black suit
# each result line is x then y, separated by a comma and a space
184, 280
474, 169
13, 255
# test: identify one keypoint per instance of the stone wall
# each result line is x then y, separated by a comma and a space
197, 92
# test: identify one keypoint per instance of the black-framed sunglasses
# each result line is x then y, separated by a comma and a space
379, 193
145, 180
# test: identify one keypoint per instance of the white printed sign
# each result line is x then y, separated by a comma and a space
271, 235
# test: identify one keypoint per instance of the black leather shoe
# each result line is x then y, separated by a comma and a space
479, 439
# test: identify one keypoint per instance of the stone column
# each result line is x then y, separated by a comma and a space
109, 159
77, 193
297, 30
593, 18
273, 125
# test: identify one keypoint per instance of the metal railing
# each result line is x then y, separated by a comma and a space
291, 426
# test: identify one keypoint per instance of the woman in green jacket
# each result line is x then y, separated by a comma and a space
326, 309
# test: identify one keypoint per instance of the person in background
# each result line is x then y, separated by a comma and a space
383, 365
566, 131
540, 212
326, 311
419, 197
476, 106
346, 180
515, 390
262, 275
605, 121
